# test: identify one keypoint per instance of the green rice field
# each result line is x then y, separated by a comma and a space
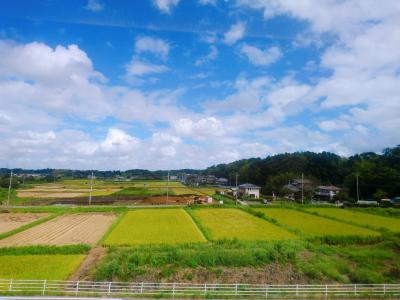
230, 223
50, 267
155, 226
360, 218
314, 225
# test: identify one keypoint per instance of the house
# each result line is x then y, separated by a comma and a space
294, 189
323, 191
249, 190
222, 181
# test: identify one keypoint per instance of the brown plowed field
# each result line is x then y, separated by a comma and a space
10, 221
85, 228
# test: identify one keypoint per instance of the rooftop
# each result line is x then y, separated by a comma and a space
249, 185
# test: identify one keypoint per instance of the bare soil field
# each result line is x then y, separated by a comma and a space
123, 200
10, 221
85, 228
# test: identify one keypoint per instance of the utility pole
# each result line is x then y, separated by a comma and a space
358, 192
91, 190
167, 187
237, 190
302, 188
9, 189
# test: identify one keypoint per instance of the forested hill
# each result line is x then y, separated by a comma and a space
379, 174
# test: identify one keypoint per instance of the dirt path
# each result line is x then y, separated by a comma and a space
89, 263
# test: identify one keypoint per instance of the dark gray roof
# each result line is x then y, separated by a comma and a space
328, 187
248, 185
292, 188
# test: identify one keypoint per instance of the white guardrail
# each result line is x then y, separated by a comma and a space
124, 289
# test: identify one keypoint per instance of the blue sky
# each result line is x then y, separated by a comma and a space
163, 84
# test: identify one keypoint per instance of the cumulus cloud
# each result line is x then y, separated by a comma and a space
94, 6
235, 33
206, 127
362, 59
165, 6
153, 45
261, 57
140, 68
46, 65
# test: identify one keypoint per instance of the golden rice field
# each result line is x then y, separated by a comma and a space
359, 218
39, 267
230, 223
155, 226
314, 225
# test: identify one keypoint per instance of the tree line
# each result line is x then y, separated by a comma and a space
379, 174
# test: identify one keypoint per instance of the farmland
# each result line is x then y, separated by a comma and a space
359, 218
195, 244
67, 229
12, 221
236, 224
106, 192
50, 267
314, 225
155, 226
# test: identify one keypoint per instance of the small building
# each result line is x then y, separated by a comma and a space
327, 191
250, 190
222, 181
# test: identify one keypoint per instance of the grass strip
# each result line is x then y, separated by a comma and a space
29, 225
206, 233
46, 250
112, 227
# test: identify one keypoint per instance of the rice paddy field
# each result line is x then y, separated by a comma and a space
233, 223
50, 267
364, 219
314, 225
155, 226
198, 244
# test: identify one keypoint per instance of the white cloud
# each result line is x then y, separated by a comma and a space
261, 57
140, 68
362, 58
165, 6
208, 2
212, 55
206, 127
117, 141
235, 33
153, 45
40, 63
332, 125
94, 6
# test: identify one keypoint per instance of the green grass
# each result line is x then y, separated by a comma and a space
364, 219
126, 263
135, 191
155, 226
46, 250
314, 225
50, 267
230, 223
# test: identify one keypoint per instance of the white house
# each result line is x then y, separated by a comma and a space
250, 190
